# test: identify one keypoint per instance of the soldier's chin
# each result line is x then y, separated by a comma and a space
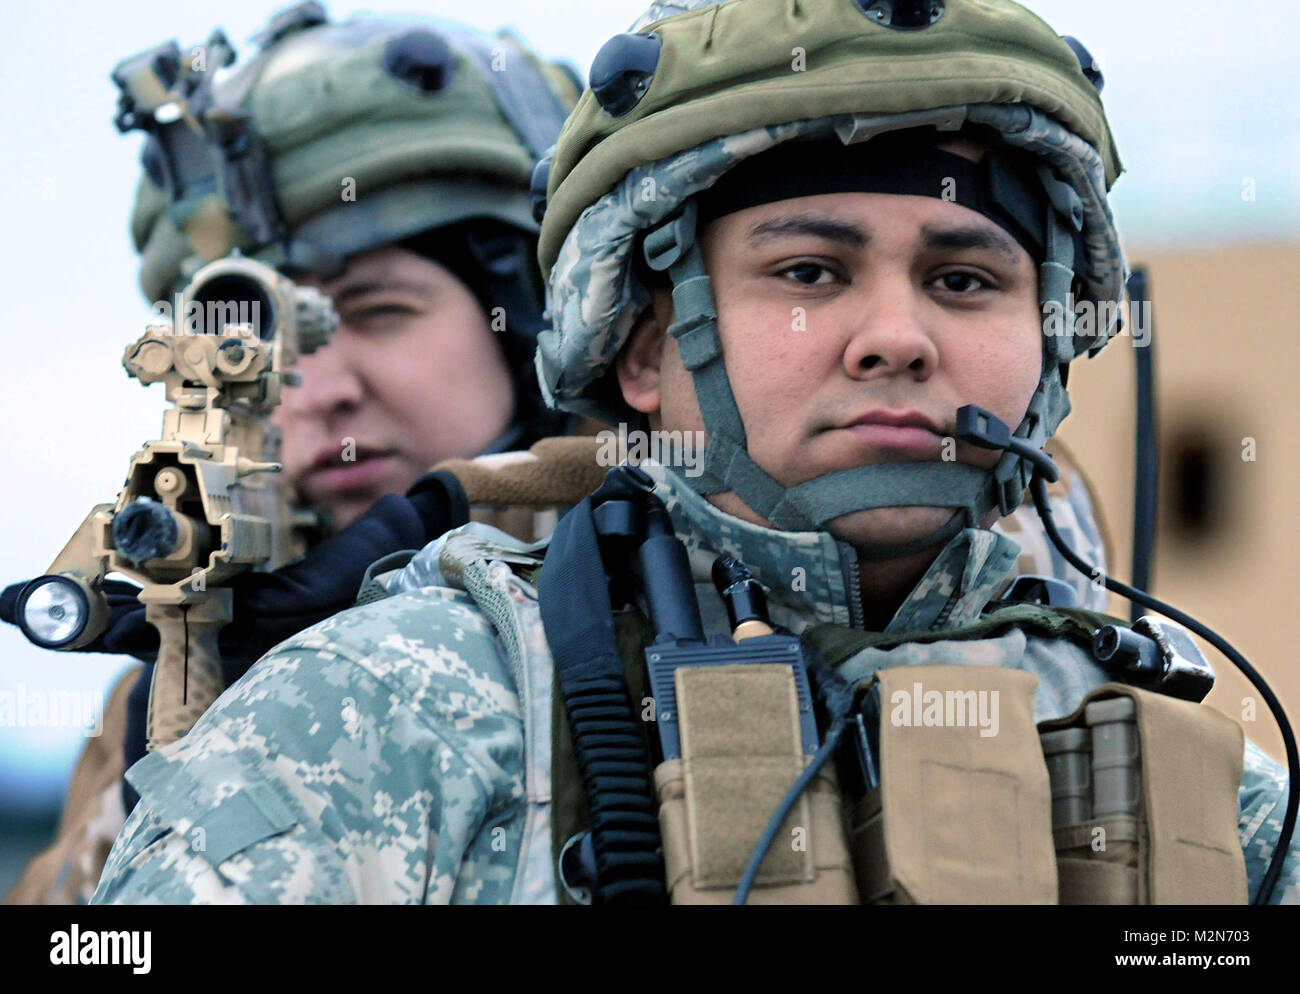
344, 509
890, 526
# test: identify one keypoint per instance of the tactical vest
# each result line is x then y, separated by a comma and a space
1107, 805
1031, 832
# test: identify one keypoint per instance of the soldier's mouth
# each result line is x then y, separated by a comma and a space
898, 438
341, 472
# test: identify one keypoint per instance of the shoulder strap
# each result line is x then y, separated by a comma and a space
569, 815
554, 472
573, 597
837, 643
371, 589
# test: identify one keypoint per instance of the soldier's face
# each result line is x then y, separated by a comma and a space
413, 375
835, 309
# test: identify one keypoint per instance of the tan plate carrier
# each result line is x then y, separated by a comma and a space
963, 813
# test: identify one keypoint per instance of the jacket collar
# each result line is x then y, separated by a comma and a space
812, 577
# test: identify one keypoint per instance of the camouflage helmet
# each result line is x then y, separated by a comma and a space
698, 87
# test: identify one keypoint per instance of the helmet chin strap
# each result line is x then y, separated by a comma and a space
971, 490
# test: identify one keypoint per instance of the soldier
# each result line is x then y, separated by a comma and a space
398, 153
708, 198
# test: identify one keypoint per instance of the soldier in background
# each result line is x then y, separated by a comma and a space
386, 161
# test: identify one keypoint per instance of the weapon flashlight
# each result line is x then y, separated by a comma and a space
57, 611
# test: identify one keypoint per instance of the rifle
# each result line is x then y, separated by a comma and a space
197, 507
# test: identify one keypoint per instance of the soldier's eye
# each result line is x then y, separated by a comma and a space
963, 283
379, 315
808, 273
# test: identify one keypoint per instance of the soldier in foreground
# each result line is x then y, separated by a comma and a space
871, 250
364, 422
385, 162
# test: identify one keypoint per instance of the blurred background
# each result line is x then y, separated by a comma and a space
1200, 97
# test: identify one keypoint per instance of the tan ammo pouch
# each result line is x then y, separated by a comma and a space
741, 752
959, 817
1182, 845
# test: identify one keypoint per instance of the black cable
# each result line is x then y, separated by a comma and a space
783, 809
1146, 474
185, 679
1039, 490
837, 695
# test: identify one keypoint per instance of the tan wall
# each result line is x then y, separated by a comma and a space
1227, 343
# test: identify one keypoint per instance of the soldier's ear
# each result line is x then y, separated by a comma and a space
639, 362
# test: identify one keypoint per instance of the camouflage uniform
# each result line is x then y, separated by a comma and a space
400, 752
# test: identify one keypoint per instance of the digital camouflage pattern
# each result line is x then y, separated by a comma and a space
68, 871
399, 752
342, 768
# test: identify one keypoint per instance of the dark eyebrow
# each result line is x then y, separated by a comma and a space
818, 227
365, 287
972, 238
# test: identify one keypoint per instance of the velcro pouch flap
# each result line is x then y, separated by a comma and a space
741, 753
963, 811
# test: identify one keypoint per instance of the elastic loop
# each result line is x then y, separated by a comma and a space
667, 244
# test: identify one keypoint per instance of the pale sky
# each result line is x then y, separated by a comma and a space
1201, 97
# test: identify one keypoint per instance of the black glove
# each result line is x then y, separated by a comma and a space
270, 607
